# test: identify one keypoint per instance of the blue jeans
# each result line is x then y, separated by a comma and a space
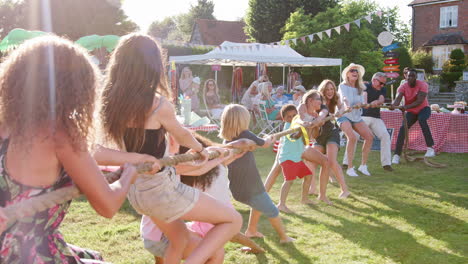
411, 118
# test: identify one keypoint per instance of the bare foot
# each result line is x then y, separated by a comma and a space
307, 201
285, 209
344, 195
253, 234
250, 250
287, 240
325, 200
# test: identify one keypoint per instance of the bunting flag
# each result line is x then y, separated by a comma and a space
328, 31
346, 26
368, 18
286, 42
311, 37
303, 39
358, 22
379, 14
294, 41
319, 35
337, 29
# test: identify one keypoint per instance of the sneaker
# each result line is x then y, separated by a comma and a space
396, 159
351, 172
388, 168
430, 153
344, 166
363, 170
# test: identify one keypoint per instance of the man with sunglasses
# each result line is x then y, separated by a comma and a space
375, 94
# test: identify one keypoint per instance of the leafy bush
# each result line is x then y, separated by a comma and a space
452, 70
423, 60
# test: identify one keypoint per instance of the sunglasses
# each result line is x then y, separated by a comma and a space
381, 83
353, 70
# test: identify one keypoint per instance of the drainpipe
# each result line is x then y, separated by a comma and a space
412, 30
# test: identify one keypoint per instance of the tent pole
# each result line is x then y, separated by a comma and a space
232, 85
216, 77
283, 76
339, 78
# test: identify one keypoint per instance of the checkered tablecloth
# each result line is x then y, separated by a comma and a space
206, 128
449, 131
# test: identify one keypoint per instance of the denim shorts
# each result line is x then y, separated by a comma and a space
162, 195
263, 203
343, 119
157, 248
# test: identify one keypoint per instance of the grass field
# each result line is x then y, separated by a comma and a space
415, 214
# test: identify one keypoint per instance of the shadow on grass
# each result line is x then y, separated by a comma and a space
389, 241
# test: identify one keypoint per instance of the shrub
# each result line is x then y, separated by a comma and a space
423, 60
452, 70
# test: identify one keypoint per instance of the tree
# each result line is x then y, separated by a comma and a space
180, 27
204, 9
9, 16
452, 70
266, 18
76, 19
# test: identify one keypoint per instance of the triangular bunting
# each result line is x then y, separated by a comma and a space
346, 26
311, 37
294, 41
303, 39
379, 14
286, 42
319, 34
358, 22
337, 29
368, 18
328, 31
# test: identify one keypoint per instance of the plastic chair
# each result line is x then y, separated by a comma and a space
269, 126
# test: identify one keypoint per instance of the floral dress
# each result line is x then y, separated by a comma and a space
36, 239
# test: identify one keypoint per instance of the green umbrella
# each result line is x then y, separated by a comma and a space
92, 42
17, 36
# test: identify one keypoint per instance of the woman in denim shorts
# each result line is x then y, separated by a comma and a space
351, 94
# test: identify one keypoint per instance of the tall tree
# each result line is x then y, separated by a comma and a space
180, 27
266, 18
359, 45
10, 11
203, 9
75, 19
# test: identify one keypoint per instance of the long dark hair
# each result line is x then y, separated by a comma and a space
135, 74
203, 181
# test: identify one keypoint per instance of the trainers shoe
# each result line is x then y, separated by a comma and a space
388, 168
344, 166
363, 170
430, 153
396, 159
351, 172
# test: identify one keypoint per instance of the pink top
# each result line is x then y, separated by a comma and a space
411, 93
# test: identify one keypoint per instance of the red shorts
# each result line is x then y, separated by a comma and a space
293, 170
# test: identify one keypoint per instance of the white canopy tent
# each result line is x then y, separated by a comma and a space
249, 54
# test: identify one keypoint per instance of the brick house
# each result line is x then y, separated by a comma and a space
214, 32
439, 26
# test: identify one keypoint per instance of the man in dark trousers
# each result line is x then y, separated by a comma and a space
417, 109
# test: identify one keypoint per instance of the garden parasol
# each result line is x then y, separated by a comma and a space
93, 42
17, 36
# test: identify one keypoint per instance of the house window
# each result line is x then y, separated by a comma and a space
440, 54
448, 16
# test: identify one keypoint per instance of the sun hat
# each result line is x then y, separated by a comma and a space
279, 88
360, 69
300, 88
196, 80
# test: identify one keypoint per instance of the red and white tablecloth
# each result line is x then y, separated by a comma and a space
449, 131
206, 128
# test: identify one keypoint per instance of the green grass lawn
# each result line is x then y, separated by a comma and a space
415, 214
